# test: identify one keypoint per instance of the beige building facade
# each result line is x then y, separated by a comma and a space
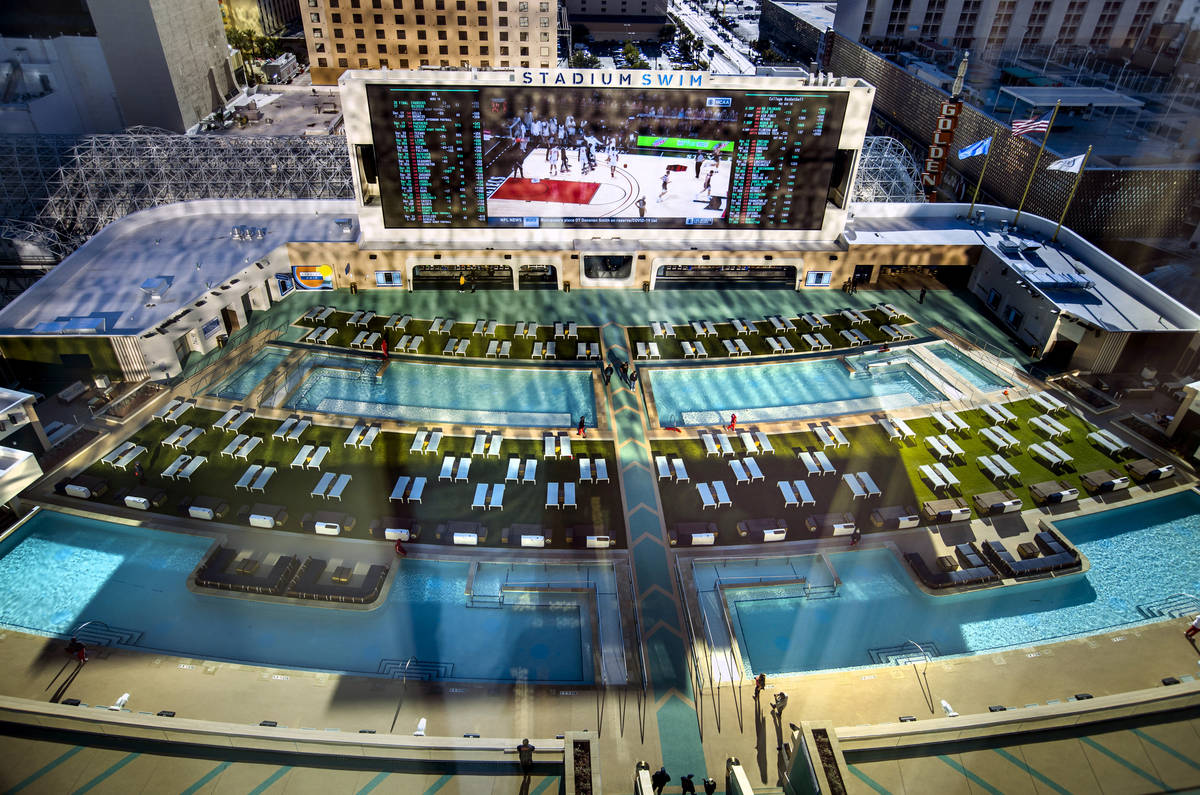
411, 34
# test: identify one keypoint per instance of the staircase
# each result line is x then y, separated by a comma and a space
904, 654
492, 600
1174, 606
97, 633
417, 669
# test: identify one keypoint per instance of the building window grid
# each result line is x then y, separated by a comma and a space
933, 20
1104, 25
898, 19
1071, 21
1000, 24
1141, 18
964, 33
1037, 22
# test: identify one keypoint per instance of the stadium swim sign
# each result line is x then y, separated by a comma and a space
596, 77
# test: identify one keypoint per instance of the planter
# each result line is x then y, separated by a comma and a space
582, 763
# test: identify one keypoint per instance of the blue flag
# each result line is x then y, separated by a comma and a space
978, 148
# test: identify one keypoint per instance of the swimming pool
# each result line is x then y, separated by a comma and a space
421, 392
243, 380
1140, 556
783, 391
973, 372
58, 571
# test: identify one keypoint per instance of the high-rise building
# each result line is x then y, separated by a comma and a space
619, 20
410, 34
263, 17
164, 62
993, 26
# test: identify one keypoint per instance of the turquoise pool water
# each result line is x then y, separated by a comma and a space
1140, 555
420, 392
241, 382
784, 391
58, 571
972, 371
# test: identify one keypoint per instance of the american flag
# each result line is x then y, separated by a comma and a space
1038, 124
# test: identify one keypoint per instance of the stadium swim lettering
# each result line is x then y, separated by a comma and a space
599, 78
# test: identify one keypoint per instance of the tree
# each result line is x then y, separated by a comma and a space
667, 33
634, 58
583, 60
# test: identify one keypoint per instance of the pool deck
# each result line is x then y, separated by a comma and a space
688, 726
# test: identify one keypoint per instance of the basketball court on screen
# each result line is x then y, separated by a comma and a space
537, 190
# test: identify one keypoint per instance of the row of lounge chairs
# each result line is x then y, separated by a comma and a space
182, 436
426, 442
331, 486
1050, 427
795, 493
488, 496
897, 333
292, 428
525, 472
319, 336
456, 346
362, 436
855, 337
255, 478
241, 446
560, 498
499, 350
408, 489
183, 467
861, 485
587, 350
485, 328
855, 317
487, 443
174, 410
943, 446
233, 420
455, 469
671, 469
310, 457
745, 470
556, 445
366, 340
831, 436
649, 350
410, 344
816, 462
706, 492
736, 347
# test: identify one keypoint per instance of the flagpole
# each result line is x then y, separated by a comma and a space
1071, 195
979, 184
1036, 160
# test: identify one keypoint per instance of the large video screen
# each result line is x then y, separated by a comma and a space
542, 157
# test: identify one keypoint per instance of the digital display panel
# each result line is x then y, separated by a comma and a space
554, 157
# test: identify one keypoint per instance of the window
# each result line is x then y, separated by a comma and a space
382, 48
481, 6
485, 63
993, 300
312, 3
1013, 317
363, 63
504, 64
317, 33
483, 35
333, 3
379, 19
524, 37
460, 5
420, 19
314, 17
524, 22
400, 34
389, 278
402, 49
379, 33
422, 50
322, 62
502, 6
524, 64
319, 47
462, 35
341, 47
383, 63
421, 33
502, 22
336, 18
524, 51
441, 35
504, 51
441, 20
337, 33
399, 19
522, 7
342, 62
544, 22
481, 21
462, 21
361, 48
443, 50
545, 51
504, 35
464, 50
483, 50
403, 63
544, 36
818, 278
357, 18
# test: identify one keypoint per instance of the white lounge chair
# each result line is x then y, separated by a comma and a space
449, 349
191, 436
400, 487
480, 443
710, 445
514, 470
418, 442
552, 495
726, 445
764, 442
752, 467
240, 420
810, 463
776, 348
494, 445
827, 467
302, 456
480, 500
226, 418
461, 348
568, 495
176, 465
663, 466
282, 431
340, 486
464, 470
585, 469
803, 492
564, 445
323, 484
506, 349
248, 477
549, 446
233, 446
739, 471
722, 495
162, 413
496, 500
856, 489
435, 441
643, 352
869, 484
601, 467
706, 498
415, 344
479, 326
789, 497
729, 348
742, 348
190, 469
318, 457
368, 439
417, 491
358, 339
689, 350
935, 480
246, 449
355, 434
493, 349
264, 477
117, 452
681, 473
530, 473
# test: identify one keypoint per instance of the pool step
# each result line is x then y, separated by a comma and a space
417, 669
904, 654
98, 634
1174, 606
821, 592
492, 600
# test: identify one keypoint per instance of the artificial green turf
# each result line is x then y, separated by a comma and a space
892, 466
671, 347
374, 473
522, 347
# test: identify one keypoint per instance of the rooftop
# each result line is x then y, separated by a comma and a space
139, 271
287, 110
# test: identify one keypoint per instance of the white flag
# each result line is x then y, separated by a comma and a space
1069, 164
